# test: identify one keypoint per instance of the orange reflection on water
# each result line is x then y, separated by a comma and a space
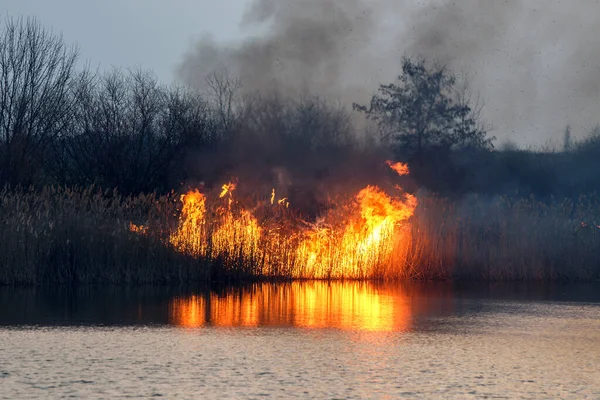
342, 305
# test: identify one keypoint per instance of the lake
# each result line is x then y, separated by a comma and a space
307, 340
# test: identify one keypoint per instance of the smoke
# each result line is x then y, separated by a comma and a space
534, 62
306, 46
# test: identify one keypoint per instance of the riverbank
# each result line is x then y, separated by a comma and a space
85, 236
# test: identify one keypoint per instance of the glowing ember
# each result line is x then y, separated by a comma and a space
283, 202
227, 189
364, 238
140, 229
400, 168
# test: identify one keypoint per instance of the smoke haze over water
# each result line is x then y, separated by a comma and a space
536, 63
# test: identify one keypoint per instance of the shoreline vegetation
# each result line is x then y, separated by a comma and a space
89, 163
83, 236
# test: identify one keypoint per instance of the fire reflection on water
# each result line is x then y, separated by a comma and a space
341, 305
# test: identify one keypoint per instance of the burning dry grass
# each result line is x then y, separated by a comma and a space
364, 237
89, 236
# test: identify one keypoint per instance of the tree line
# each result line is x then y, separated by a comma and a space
65, 125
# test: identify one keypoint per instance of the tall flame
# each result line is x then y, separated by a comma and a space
363, 244
190, 237
238, 234
364, 238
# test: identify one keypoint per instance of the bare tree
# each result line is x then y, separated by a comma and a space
465, 98
225, 91
36, 71
127, 131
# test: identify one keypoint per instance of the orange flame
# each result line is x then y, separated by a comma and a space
361, 246
365, 238
139, 229
400, 168
283, 202
190, 236
238, 234
227, 189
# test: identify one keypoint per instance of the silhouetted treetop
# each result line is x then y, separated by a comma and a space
424, 110
37, 70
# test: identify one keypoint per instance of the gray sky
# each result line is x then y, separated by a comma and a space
535, 62
149, 33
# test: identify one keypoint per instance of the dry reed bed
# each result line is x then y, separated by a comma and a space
64, 236
508, 240
60, 236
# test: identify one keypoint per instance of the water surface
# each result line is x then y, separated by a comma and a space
313, 339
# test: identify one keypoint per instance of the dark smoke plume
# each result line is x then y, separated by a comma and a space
535, 62
311, 46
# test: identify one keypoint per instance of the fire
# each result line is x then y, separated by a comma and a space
283, 202
237, 235
400, 168
363, 244
139, 229
227, 189
365, 238
191, 236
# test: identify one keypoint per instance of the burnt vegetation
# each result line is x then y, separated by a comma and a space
83, 153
